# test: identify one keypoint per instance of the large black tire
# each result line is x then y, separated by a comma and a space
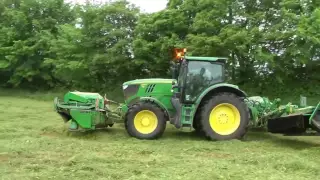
216, 100
138, 107
197, 124
316, 122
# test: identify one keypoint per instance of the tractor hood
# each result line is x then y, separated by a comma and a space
149, 81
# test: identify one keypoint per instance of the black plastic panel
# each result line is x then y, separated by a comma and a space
131, 90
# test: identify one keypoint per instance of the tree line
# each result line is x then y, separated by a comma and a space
273, 46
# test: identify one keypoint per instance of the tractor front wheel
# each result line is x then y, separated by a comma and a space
145, 120
225, 116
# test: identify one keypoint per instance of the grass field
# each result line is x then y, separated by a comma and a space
34, 144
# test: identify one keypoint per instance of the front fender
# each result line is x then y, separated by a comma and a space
124, 108
160, 104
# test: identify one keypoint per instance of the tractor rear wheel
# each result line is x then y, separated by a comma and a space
316, 122
225, 116
197, 124
145, 120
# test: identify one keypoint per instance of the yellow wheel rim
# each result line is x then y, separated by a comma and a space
224, 119
145, 122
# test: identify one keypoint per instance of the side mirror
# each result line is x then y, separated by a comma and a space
174, 85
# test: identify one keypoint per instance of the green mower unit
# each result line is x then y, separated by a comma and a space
287, 118
197, 97
87, 111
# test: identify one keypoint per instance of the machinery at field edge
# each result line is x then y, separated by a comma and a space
197, 97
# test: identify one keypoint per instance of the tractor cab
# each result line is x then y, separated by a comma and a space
195, 74
197, 81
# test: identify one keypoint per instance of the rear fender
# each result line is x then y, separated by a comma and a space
218, 88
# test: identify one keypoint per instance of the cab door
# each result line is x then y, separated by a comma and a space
199, 75
178, 96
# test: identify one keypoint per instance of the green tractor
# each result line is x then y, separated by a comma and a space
196, 97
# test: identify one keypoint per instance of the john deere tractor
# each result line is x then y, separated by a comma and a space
196, 97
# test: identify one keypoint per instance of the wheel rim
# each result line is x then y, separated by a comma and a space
145, 122
224, 119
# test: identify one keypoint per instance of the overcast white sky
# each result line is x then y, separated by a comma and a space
145, 5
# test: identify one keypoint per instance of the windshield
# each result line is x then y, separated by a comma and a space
201, 75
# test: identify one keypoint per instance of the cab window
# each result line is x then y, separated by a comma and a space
201, 75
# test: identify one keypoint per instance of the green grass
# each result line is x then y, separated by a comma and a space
35, 144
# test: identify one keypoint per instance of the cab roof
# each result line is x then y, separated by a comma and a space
200, 58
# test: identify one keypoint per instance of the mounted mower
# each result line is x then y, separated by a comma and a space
196, 97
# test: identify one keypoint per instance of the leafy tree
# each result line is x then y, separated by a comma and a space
51, 44
95, 52
23, 46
